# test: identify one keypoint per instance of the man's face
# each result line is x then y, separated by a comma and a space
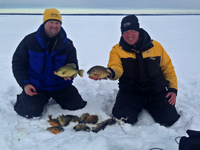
131, 36
52, 27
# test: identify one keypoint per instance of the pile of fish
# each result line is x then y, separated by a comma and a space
64, 120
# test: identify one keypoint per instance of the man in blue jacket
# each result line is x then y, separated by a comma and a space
36, 58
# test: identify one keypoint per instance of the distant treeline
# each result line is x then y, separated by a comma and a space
94, 14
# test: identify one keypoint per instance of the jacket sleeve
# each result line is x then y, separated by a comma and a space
168, 71
20, 61
115, 64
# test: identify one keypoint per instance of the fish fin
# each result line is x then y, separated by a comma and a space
50, 117
74, 76
80, 72
105, 78
73, 65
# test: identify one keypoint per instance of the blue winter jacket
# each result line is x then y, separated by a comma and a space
32, 63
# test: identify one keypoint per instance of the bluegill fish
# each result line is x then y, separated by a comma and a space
110, 121
82, 127
56, 129
99, 126
53, 122
69, 70
92, 119
84, 117
74, 118
99, 71
103, 124
64, 120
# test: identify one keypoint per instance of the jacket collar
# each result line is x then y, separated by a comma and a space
62, 38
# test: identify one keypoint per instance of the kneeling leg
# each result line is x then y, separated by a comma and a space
127, 105
68, 98
30, 106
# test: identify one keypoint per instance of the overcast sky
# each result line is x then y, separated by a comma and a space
92, 5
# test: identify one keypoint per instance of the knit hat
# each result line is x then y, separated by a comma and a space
130, 22
51, 14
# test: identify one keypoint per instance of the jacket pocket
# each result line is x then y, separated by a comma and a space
36, 61
153, 66
60, 61
129, 66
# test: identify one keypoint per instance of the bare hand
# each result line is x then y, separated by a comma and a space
67, 78
30, 90
108, 70
172, 96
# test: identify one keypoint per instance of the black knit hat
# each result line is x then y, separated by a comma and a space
130, 22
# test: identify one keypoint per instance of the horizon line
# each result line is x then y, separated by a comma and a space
102, 14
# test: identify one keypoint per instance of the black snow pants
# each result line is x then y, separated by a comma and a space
130, 105
191, 142
32, 106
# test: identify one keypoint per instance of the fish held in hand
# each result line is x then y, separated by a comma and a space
64, 120
92, 119
56, 129
53, 122
99, 72
82, 127
69, 70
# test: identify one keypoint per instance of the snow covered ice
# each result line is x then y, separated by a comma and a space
93, 37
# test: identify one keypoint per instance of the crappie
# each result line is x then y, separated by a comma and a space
99, 71
69, 70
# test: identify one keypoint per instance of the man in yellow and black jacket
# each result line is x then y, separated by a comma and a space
146, 76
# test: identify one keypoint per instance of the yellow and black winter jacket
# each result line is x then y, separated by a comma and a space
144, 69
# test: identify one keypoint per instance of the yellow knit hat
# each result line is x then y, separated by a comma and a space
53, 14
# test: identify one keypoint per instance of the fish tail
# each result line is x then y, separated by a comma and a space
80, 72
50, 117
